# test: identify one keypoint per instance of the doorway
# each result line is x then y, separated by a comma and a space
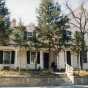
46, 60
68, 57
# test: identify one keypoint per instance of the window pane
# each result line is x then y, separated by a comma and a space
1, 57
29, 34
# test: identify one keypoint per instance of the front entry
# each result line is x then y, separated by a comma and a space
68, 58
46, 60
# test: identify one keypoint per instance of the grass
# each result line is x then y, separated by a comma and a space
81, 73
23, 72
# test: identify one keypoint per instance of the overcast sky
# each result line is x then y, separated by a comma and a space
26, 9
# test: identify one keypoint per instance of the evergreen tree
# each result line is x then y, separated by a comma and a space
4, 22
51, 22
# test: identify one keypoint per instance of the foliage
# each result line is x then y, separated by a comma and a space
18, 35
4, 22
80, 21
77, 42
51, 24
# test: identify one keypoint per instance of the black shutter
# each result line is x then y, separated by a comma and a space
1, 57
84, 57
12, 57
28, 57
25, 35
38, 58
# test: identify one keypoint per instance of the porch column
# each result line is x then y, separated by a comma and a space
41, 60
16, 59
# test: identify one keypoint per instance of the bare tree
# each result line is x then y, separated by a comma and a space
80, 17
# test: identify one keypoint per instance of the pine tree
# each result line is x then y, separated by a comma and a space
4, 22
51, 22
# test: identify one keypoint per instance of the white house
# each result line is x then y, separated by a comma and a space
14, 57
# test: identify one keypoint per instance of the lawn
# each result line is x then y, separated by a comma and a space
81, 73
29, 73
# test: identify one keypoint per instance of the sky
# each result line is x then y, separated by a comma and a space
26, 9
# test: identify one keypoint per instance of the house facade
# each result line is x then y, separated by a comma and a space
24, 58
15, 56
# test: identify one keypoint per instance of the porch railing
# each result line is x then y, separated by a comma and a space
69, 72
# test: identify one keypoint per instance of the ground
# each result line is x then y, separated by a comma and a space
81, 73
32, 78
35, 79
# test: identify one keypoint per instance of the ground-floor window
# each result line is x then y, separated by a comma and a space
7, 57
31, 57
84, 57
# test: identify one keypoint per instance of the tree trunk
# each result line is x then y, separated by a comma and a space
82, 50
78, 60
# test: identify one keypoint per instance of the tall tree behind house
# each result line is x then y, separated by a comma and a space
4, 22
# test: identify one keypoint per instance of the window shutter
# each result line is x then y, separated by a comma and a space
12, 57
25, 35
38, 58
1, 57
28, 57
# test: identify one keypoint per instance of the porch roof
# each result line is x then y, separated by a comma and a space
8, 48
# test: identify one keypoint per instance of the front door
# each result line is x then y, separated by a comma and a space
46, 60
68, 58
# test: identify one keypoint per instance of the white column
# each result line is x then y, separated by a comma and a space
87, 56
57, 61
15, 62
41, 60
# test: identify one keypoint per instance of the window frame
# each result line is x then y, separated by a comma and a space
29, 36
30, 57
10, 60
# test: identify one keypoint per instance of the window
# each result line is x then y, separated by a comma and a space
31, 56
7, 57
84, 57
29, 35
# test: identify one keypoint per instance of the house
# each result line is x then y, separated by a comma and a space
14, 56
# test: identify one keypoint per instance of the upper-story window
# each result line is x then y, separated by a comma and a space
29, 35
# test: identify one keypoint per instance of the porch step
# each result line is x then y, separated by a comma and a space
63, 79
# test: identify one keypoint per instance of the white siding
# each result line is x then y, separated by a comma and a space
61, 61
